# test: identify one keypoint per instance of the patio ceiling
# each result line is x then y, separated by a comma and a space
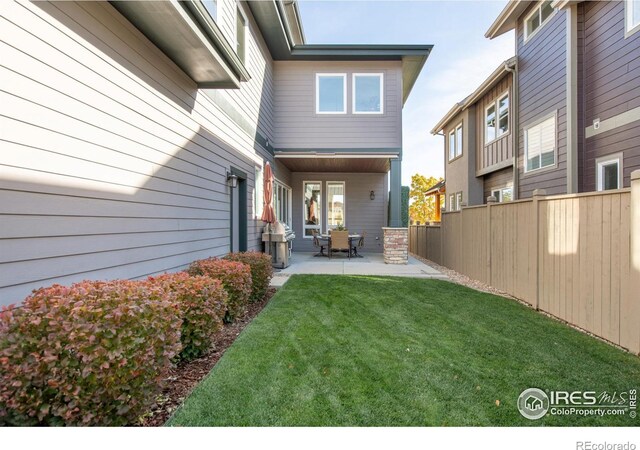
336, 164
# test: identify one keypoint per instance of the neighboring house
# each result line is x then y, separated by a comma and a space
479, 142
134, 135
576, 98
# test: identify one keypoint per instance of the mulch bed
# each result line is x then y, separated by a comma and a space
185, 376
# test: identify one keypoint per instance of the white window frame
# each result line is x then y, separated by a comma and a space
245, 32
459, 201
629, 27
259, 191
344, 204
555, 143
287, 191
496, 105
214, 16
452, 202
353, 92
500, 191
306, 227
603, 161
536, 10
344, 96
457, 149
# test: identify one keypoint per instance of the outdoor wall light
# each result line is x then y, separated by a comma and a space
232, 180
372, 195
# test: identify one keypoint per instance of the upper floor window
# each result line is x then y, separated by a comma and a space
331, 89
368, 93
537, 18
632, 13
497, 119
609, 172
241, 34
540, 144
455, 142
212, 8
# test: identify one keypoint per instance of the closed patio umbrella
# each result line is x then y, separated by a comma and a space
268, 216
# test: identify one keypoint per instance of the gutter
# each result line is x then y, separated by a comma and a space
515, 134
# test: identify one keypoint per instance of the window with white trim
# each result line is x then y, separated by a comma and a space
497, 119
452, 202
537, 18
258, 193
632, 16
312, 207
490, 123
458, 201
336, 212
212, 8
455, 142
503, 194
540, 144
241, 34
609, 172
282, 202
331, 93
368, 93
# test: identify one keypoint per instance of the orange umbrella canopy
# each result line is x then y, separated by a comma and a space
268, 216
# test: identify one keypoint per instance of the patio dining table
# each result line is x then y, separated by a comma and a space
352, 238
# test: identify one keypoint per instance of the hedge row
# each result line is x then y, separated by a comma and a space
96, 352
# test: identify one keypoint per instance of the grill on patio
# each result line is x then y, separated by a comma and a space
281, 238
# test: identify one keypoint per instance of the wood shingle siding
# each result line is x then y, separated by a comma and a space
542, 90
114, 163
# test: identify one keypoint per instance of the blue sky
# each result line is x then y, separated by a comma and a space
461, 59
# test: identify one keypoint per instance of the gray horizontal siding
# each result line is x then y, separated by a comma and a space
298, 125
542, 90
611, 73
113, 164
362, 213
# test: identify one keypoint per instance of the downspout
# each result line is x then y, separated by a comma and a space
515, 127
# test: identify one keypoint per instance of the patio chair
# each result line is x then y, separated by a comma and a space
339, 242
317, 243
359, 244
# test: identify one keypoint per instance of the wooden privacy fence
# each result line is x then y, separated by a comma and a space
576, 257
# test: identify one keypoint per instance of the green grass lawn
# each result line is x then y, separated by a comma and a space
384, 351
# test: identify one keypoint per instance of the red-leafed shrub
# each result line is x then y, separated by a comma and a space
261, 271
93, 353
202, 302
235, 277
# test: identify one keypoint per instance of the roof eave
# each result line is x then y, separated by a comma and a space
507, 19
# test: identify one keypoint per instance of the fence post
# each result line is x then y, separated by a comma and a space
490, 201
537, 195
634, 263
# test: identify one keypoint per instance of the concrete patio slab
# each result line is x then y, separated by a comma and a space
369, 264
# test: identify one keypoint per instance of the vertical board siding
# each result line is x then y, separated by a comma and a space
114, 163
542, 90
501, 149
611, 75
573, 256
298, 125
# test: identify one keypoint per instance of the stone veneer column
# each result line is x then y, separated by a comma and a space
396, 245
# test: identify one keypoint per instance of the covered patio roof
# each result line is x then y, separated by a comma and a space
347, 162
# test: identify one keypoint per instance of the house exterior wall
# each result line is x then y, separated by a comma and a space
498, 153
497, 180
460, 173
611, 74
298, 126
114, 163
542, 91
362, 213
